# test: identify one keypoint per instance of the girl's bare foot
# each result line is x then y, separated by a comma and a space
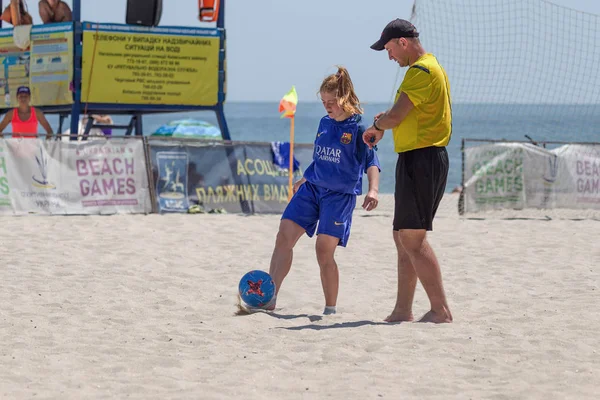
400, 316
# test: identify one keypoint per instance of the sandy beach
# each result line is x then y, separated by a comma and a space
142, 306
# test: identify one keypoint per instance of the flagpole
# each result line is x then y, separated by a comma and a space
288, 106
291, 171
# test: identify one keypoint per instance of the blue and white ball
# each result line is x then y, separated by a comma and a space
256, 288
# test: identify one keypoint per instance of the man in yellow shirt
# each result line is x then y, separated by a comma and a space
421, 122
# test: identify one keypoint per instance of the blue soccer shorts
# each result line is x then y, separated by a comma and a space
332, 211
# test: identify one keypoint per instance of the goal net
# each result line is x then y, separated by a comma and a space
520, 70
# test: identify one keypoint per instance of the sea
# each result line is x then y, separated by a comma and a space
260, 121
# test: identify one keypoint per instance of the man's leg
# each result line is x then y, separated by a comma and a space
407, 282
428, 270
281, 260
63, 13
26, 19
330, 278
46, 13
15, 13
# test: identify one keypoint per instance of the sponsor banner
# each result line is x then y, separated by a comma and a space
235, 177
53, 177
141, 65
51, 68
580, 164
172, 183
5, 202
15, 68
517, 176
45, 64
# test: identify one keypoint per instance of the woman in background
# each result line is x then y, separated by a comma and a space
25, 119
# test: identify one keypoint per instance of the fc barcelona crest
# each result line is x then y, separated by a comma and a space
346, 138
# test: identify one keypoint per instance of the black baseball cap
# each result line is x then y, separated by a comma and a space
398, 28
23, 89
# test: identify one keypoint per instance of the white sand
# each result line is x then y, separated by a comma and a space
142, 307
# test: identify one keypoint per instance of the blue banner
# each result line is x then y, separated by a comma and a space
231, 177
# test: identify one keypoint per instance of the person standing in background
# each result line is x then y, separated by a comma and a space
25, 119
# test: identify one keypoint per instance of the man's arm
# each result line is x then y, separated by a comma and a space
394, 116
46, 12
415, 89
390, 119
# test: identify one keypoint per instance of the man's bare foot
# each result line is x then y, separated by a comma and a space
400, 316
437, 317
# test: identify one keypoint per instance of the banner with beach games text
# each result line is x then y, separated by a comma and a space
128, 64
219, 176
41, 58
55, 177
519, 176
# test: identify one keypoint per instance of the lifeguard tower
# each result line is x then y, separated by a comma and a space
83, 67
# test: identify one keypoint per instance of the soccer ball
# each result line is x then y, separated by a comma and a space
256, 289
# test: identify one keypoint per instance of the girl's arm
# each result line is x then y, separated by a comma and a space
371, 199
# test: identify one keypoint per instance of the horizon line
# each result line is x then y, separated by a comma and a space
453, 103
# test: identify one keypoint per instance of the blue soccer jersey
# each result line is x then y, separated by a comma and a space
340, 157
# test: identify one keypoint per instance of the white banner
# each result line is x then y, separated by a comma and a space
55, 177
517, 176
5, 203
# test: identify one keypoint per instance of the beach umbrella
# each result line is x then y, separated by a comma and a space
191, 128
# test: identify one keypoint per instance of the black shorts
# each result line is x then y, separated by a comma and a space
420, 185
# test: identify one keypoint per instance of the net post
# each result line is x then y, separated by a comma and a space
461, 196
150, 174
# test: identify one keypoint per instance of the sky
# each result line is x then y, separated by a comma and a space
274, 44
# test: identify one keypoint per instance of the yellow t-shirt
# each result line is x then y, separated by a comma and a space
430, 122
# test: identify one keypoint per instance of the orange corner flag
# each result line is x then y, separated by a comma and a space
288, 103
